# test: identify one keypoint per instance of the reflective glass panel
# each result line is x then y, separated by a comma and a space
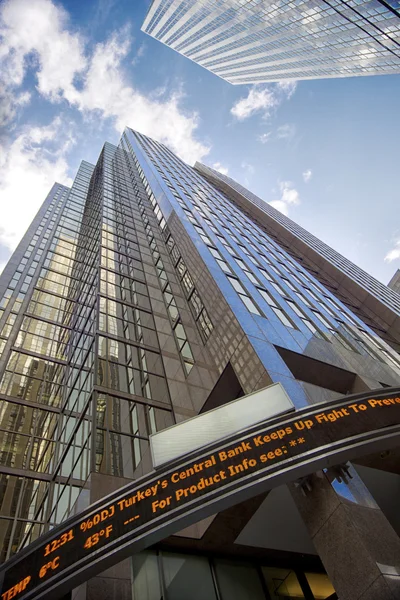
320, 585
188, 577
238, 581
282, 583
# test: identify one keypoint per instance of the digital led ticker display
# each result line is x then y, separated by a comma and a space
212, 479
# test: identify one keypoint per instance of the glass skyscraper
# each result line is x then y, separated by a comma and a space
151, 291
257, 41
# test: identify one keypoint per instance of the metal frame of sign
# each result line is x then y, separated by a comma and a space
205, 482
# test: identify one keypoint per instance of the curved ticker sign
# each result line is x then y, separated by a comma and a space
201, 484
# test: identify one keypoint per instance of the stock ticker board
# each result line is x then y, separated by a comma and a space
195, 486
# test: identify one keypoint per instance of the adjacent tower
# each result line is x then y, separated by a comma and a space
151, 291
255, 42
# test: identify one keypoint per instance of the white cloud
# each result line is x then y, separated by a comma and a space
10, 103
307, 175
289, 196
107, 92
28, 169
288, 87
286, 132
280, 205
94, 83
257, 100
102, 12
36, 35
139, 54
249, 171
394, 253
264, 137
39, 28
263, 99
218, 167
248, 167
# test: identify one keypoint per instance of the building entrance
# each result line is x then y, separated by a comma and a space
176, 576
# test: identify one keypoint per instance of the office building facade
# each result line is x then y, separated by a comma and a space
256, 42
151, 291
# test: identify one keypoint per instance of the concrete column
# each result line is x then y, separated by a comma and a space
356, 543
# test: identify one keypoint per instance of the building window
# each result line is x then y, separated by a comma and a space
279, 312
307, 322
244, 296
184, 347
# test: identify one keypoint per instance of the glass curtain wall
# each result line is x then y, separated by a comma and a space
82, 381
37, 311
173, 576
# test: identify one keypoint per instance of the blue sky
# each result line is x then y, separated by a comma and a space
74, 73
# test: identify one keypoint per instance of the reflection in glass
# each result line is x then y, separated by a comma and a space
146, 581
282, 584
188, 577
320, 585
238, 581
